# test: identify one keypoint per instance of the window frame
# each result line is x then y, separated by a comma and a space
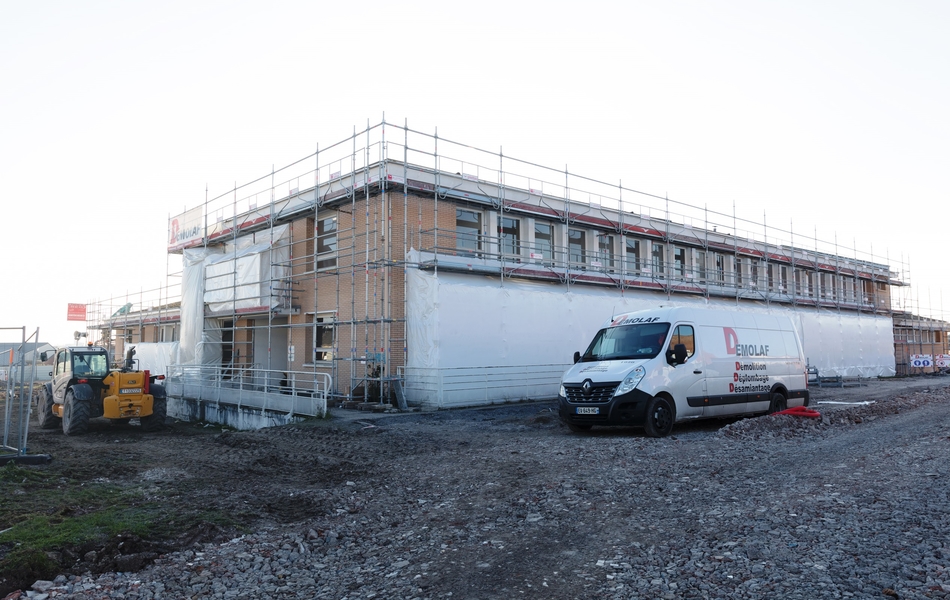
468, 240
329, 238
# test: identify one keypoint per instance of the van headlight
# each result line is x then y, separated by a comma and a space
562, 392
630, 381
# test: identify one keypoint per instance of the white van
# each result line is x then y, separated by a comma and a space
654, 368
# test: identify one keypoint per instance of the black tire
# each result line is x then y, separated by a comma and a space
156, 420
44, 409
778, 404
660, 417
75, 415
578, 428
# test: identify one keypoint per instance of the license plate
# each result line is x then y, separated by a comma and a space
588, 410
130, 391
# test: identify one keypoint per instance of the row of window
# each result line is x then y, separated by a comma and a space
637, 256
647, 257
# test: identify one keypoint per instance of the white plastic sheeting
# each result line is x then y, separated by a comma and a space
191, 348
238, 275
157, 357
244, 275
470, 326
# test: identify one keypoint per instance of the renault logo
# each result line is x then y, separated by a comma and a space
586, 387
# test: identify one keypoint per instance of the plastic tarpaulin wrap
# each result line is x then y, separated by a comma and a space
473, 340
849, 345
243, 276
192, 303
156, 357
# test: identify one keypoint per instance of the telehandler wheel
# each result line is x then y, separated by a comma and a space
75, 416
156, 420
44, 409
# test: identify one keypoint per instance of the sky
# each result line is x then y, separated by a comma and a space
829, 118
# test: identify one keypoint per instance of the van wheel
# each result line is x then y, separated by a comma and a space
578, 428
660, 417
778, 404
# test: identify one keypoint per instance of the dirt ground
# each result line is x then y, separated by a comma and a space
292, 474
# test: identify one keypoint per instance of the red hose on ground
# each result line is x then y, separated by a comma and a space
800, 411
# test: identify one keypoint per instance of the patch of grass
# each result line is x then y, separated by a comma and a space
44, 513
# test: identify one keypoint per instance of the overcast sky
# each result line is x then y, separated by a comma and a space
826, 117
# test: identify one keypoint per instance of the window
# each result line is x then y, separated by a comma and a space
754, 273
783, 279
544, 241
510, 235
309, 244
720, 268
468, 228
92, 365
679, 262
737, 265
605, 250
657, 259
62, 361
319, 338
633, 255
576, 246
770, 277
683, 334
326, 242
701, 265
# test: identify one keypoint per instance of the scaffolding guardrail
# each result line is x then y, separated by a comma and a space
295, 393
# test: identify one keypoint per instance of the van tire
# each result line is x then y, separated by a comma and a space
578, 428
660, 417
778, 403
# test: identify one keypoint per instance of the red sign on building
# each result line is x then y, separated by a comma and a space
76, 312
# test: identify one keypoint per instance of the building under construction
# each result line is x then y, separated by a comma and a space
399, 266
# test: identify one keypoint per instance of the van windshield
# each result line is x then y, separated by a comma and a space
640, 340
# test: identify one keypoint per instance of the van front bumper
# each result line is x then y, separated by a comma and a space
628, 409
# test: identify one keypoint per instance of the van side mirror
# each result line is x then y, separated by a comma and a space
43, 357
676, 355
577, 357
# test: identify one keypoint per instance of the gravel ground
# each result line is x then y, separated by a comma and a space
507, 503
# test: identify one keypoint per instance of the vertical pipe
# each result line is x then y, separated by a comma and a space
353, 333
567, 224
386, 224
736, 265
667, 283
765, 233
435, 228
622, 249
706, 249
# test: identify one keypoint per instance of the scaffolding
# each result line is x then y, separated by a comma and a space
334, 233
